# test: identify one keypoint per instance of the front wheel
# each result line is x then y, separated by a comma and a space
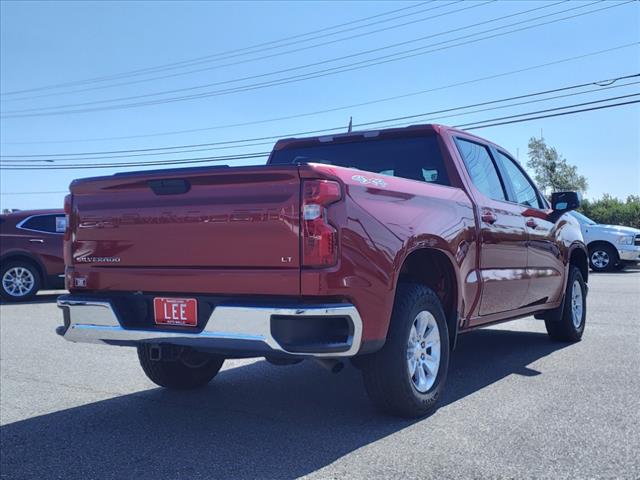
567, 325
602, 258
187, 369
407, 376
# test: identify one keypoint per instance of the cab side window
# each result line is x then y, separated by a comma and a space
45, 223
481, 168
524, 191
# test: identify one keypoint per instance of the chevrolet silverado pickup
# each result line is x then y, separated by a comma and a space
380, 247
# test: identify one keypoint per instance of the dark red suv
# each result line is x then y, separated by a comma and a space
31, 254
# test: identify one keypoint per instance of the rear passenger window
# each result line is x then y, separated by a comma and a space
481, 168
524, 191
45, 223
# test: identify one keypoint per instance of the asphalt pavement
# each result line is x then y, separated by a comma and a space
517, 405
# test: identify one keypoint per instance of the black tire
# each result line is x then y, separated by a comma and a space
602, 257
560, 325
386, 372
188, 370
32, 270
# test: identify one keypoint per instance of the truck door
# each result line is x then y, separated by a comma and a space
503, 234
41, 236
544, 261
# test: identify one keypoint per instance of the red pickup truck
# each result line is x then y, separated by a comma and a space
378, 246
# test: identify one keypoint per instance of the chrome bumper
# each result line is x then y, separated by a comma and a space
629, 253
229, 328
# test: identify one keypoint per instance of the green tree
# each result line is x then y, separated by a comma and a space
612, 211
551, 170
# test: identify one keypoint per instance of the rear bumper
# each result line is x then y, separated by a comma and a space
230, 329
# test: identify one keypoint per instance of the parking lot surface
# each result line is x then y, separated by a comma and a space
517, 405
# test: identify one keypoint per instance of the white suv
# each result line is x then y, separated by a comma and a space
610, 246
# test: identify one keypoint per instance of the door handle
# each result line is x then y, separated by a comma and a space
489, 217
531, 223
36, 240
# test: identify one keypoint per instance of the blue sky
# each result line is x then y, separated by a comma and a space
45, 43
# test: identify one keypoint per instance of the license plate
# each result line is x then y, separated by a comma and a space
176, 311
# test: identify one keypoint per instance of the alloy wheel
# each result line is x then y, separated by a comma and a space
423, 351
18, 281
577, 304
600, 259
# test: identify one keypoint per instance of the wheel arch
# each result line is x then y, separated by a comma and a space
435, 269
579, 257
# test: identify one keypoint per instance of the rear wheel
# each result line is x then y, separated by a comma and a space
567, 324
187, 369
407, 376
19, 281
602, 258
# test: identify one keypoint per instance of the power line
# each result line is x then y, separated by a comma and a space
406, 117
611, 85
358, 65
572, 112
17, 158
264, 57
34, 193
554, 115
211, 56
473, 125
439, 118
298, 67
620, 97
247, 141
226, 142
464, 126
344, 107
139, 164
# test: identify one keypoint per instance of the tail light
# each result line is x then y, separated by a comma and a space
67, 215
67, 238
319, 238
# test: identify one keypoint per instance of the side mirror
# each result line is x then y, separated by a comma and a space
565, 201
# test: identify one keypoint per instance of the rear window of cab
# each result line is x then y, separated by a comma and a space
415, 158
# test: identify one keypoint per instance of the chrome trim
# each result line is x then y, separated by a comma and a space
93, 321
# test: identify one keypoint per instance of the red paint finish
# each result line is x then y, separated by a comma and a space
239, 232
234, 218
378, 229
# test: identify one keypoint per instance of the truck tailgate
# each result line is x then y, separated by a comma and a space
206, 222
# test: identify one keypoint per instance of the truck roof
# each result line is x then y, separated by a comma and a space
18, 214
411, 130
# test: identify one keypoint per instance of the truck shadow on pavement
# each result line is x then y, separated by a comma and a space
254, 421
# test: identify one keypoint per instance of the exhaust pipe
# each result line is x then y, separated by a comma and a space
334, 366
